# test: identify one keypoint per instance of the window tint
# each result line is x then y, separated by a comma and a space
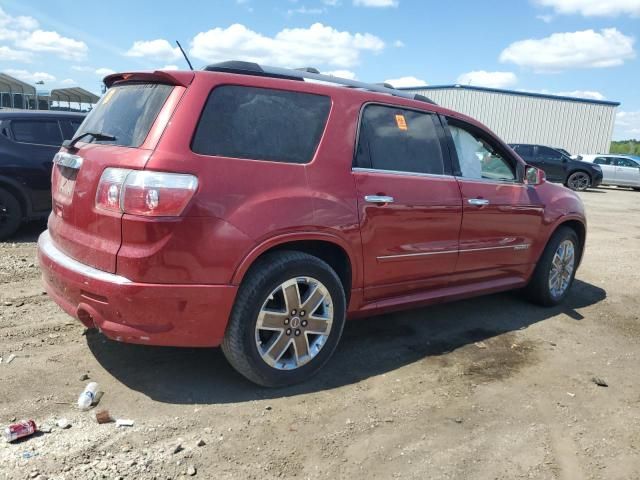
549, 154
127, 112
400, 140
261, 124
525, 151
44, 132
625, 162
478, 159
75, 125
602, 161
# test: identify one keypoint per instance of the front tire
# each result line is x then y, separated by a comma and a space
579, 181
10, 214
556, 269
287, 319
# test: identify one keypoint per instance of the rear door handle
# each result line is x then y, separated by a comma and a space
478, 202
378, 199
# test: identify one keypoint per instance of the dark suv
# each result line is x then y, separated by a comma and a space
559, 167
247, 207
28, 142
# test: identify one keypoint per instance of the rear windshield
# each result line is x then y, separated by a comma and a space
261, 124
127, 113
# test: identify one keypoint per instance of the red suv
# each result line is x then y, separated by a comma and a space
257, 208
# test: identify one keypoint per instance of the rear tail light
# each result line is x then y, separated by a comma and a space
145, 192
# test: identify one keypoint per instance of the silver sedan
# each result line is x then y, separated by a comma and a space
620, 170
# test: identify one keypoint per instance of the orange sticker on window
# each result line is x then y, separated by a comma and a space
401, 122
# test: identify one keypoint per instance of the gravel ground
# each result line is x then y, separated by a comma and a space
489, 388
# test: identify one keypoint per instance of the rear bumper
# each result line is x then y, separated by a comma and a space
123, 310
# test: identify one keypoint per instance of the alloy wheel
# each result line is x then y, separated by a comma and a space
294, 323
579, 181
562, 267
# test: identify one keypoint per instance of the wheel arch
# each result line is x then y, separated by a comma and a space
578, 226
17, 191
329, 248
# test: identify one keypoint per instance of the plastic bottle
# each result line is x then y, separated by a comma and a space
88, 395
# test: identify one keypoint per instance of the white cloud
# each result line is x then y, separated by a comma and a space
398, 44
82, 68
593, 8
68, 82
627, 125
348, 74
587, 94
376, 3
159, 49
52, 42
406, 82
482, 78
103, 72
29, 77
9, 54
563, 51
545, 18
305, 11
170, 67
291, 47
26, 37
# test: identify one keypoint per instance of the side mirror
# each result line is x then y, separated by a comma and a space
534, 176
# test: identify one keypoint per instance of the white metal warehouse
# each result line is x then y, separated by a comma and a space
578, 125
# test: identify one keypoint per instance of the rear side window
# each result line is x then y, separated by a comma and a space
261, 124
43, 132
399, 140
127, 113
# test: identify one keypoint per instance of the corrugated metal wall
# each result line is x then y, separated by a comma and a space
578, 127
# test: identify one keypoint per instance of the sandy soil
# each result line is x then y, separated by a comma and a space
489, 388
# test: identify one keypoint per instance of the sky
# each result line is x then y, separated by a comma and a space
585, 48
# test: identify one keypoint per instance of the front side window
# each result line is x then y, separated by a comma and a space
549, 154
400, 140
602, 161
42, 132
261, 124
625, 162
477, 159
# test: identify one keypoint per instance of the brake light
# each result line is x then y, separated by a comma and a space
145, 192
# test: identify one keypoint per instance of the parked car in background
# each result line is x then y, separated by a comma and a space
246, 207
28, 142
618, 169
561, 168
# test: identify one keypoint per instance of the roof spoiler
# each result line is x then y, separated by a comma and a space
308, 73
171, 77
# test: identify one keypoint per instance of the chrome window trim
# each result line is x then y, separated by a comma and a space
495, 182
400, 172
520, 246
49, 250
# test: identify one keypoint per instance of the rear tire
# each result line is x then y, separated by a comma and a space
553, 264
579, 181
637, 189
10, 214
265, 340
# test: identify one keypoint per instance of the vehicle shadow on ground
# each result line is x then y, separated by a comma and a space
28, 233
369, 347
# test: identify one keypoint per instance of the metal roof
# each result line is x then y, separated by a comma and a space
13, 85
512, 92
74, 94
19, 113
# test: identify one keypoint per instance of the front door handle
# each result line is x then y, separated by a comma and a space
378, 199
478, 202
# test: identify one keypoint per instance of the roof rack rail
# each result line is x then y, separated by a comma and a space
309, 73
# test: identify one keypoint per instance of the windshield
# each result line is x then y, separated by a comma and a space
127, 113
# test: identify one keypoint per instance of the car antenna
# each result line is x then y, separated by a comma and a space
185, 55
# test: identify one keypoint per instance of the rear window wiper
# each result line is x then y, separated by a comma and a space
96, 136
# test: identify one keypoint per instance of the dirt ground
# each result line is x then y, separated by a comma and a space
489, 388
